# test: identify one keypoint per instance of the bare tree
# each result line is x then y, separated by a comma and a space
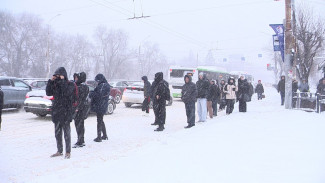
310, 38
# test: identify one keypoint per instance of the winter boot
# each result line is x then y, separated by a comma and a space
67, 156
104, 138
160, 128
56, 154
189, 126
155, 123
98, 139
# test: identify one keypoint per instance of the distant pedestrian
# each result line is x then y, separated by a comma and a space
281, 89
259, 90
230, 91
213, 94
99, 103
294, 92
62, 108
304, 88
243, 94
222, 98
160, 94
81, 109
189, 93
146, 92
202, 86
1, 105
217, 97
321, 94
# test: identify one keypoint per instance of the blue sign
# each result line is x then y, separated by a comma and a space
279, 31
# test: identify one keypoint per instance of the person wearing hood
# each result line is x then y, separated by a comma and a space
62, 108
213, 94
222, 100
259, 90
230, 90
146, 92
1, 105
81, 109
189, 93
281, 89
304, 87
216, 98
243, 95
160, 94
99, 104
202, 86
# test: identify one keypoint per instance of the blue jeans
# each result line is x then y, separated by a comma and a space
202, 109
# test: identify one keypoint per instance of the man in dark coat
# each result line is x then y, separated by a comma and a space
99, 104
216, 98
62, 110
146, 93
259, 90
160, 93
294, 92
1, 105
222, 97
82, 109
202, 86
189, 93
281, 89
243, 94
213, 94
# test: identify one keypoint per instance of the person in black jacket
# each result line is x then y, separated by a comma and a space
160, 94
281, 89
259, 90
213, 94
216, 98
62, 110
82, 109
294, 92
146, 92
202, 86
189, 93
99, 104
222, 98
1, 105
243, 94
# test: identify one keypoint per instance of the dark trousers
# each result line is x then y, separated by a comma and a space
190, 112
146, 104
215, 107
242, 106
223, 104
282, 97
101, 126
259, 96
65, 127
79, 121
230, 105
160, 112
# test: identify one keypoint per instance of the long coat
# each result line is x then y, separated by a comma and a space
62, 91
100, 96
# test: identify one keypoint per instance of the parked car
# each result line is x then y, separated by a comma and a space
36, 83
115, 92
38, 103
14, 90
121, 85
134, 95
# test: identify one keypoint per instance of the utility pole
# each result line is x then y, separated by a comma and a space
289, 45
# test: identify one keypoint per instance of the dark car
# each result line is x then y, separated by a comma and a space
37, 102
14, 91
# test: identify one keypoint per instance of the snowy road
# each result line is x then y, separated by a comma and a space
267, 144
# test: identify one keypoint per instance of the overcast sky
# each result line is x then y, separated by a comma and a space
225, 26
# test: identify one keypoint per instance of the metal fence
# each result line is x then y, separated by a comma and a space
311, 102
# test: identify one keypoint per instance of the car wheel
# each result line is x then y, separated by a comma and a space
110, 108
41, 115
170, 102
117, 99
128, 104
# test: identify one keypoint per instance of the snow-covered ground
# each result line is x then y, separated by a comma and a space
268, 144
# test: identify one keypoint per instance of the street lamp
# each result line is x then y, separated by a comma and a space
48, 46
